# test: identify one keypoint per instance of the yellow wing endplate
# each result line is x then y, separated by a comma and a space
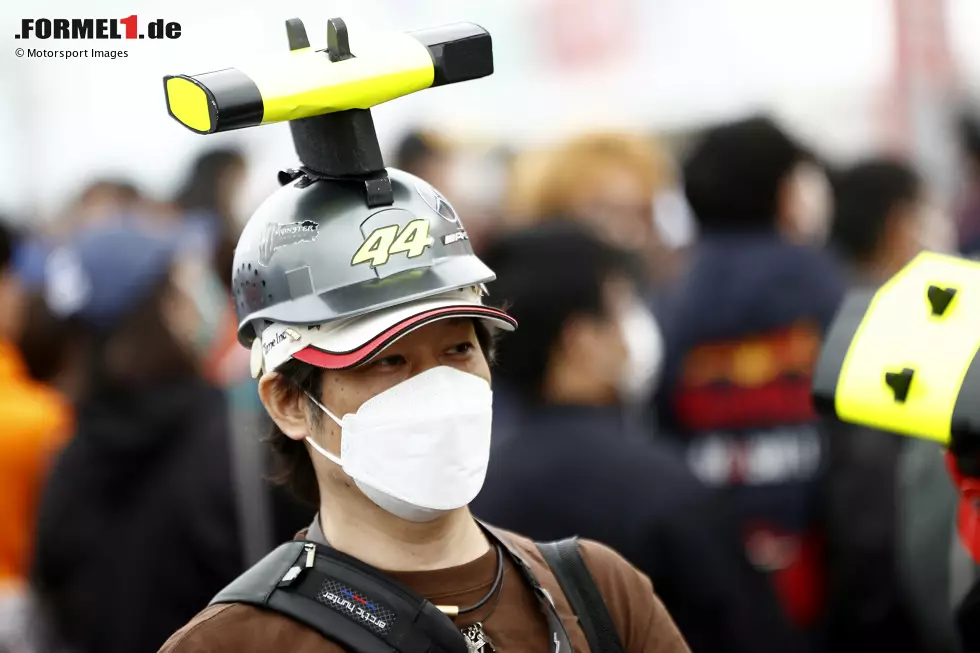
901, 365
189, 103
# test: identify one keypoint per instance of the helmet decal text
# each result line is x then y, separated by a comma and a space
278, 235
455, 237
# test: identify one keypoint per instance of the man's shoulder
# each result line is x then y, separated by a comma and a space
635, 609
243, 628
616, 578
610, 570
641, 619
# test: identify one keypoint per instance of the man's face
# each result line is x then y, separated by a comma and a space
450, 342
806, 205
593, 347
447, 342
914, 227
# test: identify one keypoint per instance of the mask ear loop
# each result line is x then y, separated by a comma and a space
320, 450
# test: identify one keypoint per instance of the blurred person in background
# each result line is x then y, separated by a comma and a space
36, 421
607, 181
881, 215
52, 352
968, 217
424, 155
209, 207
742, 331
132, 534
580, 463
111, 200
881, 221
208, 201
104, 198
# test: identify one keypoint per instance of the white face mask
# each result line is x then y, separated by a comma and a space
644, 349
421, 448
812, 204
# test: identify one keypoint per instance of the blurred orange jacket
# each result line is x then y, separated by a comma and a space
35, 421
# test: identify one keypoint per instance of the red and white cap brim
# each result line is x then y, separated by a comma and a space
346, 343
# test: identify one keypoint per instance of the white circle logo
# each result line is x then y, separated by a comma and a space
437, 202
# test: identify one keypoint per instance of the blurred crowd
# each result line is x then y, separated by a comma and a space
656, 397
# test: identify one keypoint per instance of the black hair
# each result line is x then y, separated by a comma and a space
292, 467
733, 175
118, 359
47, 344
546, 275
865, 197
8, 243
413, 151
125, 190
201, 189
969, 132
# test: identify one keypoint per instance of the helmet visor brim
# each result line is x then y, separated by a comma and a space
344, 344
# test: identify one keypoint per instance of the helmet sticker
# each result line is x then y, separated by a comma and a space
384, 242
286, 335
437, 202
455, 237
277, 236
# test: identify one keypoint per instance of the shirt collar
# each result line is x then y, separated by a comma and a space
315, 534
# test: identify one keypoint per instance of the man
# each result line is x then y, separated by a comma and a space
742, 331
372, 343
142, 495
585, 358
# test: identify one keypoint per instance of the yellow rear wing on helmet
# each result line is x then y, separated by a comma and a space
326, 95
307, 82
903, 358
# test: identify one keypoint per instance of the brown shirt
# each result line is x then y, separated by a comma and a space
515, 623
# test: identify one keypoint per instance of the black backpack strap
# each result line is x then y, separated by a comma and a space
346, 601
259, 581
580, 589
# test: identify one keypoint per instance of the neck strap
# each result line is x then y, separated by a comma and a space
559, 636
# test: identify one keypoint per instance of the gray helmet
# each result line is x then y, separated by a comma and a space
315, 253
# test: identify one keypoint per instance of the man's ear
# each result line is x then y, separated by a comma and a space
286, 406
